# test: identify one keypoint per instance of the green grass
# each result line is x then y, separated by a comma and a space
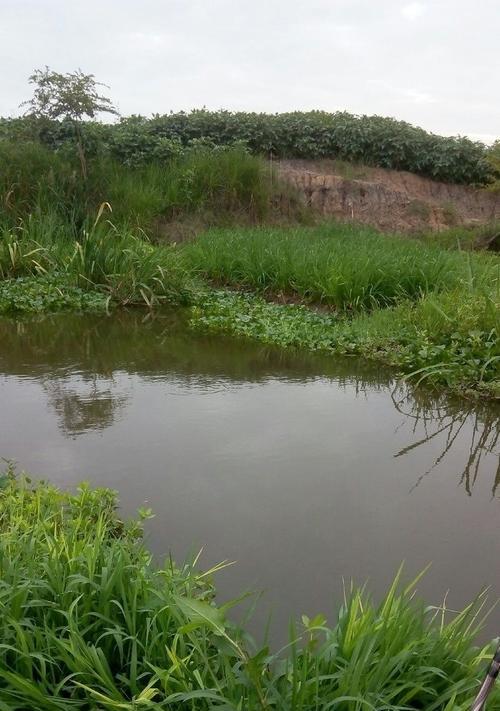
89, 621
218, 186
462, 238
121, 263
450, 339
349, 268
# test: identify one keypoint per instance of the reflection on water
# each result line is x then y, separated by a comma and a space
88, 403
446, 419
303, 468
78, 361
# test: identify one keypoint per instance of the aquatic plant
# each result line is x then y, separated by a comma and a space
46, 294
449, 339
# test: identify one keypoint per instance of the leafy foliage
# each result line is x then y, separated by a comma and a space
373, 140
72, 96
494, 161
42, 295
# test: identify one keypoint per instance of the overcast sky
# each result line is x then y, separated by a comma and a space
435, 63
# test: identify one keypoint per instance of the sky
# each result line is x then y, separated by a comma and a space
434, 63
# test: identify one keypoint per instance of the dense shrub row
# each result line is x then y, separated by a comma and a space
373, 140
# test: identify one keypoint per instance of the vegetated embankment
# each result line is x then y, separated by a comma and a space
431, 312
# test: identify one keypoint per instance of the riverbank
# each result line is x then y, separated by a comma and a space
432, 313
421, 305
429, 312
436, 340
77, 633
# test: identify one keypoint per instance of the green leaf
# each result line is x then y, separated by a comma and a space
202, 613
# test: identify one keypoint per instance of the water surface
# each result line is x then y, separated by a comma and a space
306, 470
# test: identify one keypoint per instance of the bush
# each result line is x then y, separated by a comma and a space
373, 140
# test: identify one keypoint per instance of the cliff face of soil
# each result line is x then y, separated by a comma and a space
388, 199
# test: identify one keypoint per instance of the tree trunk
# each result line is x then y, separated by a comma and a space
81, 151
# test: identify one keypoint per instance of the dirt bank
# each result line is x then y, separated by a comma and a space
388, 199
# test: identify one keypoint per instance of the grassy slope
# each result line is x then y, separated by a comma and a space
89, 622
99, 234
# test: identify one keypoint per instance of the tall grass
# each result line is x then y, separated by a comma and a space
88, 621
449, 339
215, 183
346, 267
118, 261
36, 181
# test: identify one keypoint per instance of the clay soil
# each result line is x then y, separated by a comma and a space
390, 200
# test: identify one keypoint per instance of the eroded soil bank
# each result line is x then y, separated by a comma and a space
388, 199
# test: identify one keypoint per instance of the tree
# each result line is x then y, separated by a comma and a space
73, 96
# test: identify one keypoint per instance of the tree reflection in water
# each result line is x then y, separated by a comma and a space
86, 404
447, 418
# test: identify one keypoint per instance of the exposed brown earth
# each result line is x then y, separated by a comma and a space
388, 199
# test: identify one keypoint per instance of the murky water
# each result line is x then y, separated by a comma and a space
303, 469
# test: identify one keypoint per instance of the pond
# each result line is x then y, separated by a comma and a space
306, 470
